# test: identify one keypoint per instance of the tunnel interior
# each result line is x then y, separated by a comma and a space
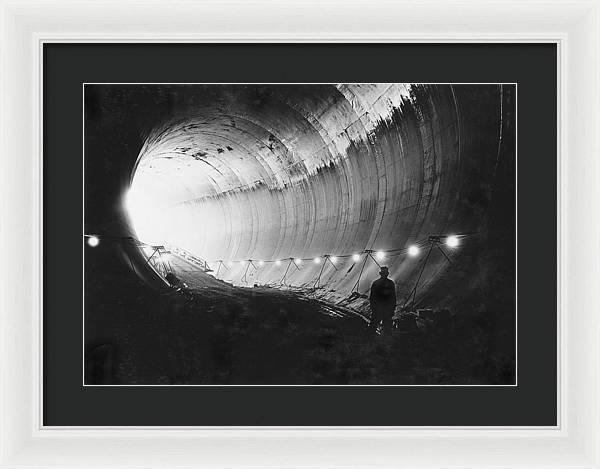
342, 178
294, 185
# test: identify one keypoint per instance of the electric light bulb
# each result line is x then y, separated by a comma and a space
452, 241
413, 251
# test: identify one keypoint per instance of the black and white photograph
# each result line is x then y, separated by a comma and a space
309, 234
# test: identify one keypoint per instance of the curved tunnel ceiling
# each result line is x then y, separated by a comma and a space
278, 171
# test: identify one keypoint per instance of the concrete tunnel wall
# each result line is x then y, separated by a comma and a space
273, 172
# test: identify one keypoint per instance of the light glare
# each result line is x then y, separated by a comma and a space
333, 259
93, 241
317, 260
452, 241
379, 255
298, 261
148, 216
356, 257
413, 251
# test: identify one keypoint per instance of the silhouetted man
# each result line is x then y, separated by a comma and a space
383, 301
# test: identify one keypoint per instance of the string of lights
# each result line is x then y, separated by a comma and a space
451, 241
414, 250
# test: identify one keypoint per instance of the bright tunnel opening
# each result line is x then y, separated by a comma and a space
270, 173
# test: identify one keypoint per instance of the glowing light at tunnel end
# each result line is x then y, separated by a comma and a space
157, 217
147, 213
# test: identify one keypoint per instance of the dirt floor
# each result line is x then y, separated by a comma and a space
219, 334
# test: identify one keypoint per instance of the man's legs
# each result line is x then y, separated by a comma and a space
388, 321
375, 318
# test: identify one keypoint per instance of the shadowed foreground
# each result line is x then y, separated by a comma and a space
220, 334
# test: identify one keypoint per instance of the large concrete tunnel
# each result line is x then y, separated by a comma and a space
273, 172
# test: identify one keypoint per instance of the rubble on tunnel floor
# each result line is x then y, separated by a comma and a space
270, 336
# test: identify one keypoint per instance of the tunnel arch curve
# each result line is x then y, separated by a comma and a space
273, 172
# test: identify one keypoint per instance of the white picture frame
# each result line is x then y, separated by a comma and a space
573, 25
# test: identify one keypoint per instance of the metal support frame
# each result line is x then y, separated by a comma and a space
434, 241
369, 254
283, 279
219, 265
244, 277
326, 258
413, 292
160, 264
